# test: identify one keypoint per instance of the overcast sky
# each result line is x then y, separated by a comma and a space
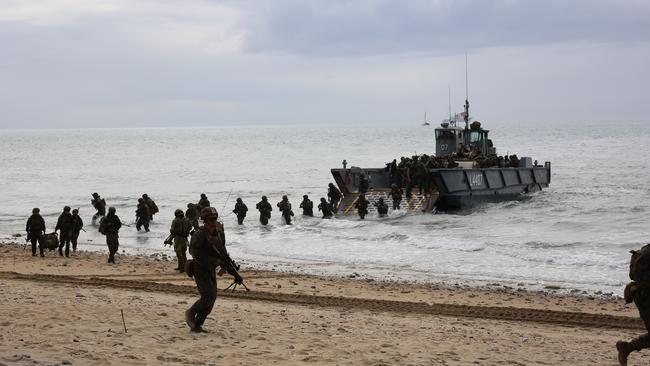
132, 63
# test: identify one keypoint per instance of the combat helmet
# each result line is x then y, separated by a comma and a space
178, 212
209, 213
66, 209
305, 196
285, 198
95, 194
239, 200
35, 210
263, 198
140, 200
190, 205
203, 195
322, 199
75, 211
145, 196
111, 210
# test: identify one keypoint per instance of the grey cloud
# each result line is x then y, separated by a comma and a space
354, 28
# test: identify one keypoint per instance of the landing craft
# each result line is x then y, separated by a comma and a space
465, 171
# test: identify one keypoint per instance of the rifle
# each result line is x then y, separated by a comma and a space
232, 267
168, 241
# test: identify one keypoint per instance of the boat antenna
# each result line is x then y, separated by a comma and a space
466, 95
449, 90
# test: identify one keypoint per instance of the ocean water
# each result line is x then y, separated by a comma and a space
576, 234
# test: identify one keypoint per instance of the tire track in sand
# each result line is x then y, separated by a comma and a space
470, 311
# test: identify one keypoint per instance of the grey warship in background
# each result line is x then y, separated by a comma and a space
457, 181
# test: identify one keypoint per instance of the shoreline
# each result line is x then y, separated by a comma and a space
67, 311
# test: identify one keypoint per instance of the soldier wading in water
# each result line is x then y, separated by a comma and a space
110, 226
208, 249
180, 230
265, 210
637, 291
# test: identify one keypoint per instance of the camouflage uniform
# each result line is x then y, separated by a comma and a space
203, 202
110, 226
205, 248
396, 195
64, 225
180, 230
326, 208
362, 206
240, 210
307, 206
382, 208
192, 214
285, 209
77, 225
99, 204
334, 196
153, 208
35, 229
143, 215
264, 207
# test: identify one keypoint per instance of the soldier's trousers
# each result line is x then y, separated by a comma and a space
35, 238
112, 240
73, 239
180, 247
287, 218
206, 282
396, 203
66, 236
642, 302
240, 219
264, 219
142, 223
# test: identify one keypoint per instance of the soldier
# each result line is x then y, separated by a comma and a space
203, 202
153, 208
100, 205
208, 249
142, 215
264, 207
364, 184
334, 196
110, 226
307, 206
285, 209
345, 164
362, 206
77, 226
180, 230
240, 210
637, 291
192, 213
396, 195
64, 226
382, 208
35, 229
326, 208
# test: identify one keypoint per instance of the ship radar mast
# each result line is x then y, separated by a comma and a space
466, 117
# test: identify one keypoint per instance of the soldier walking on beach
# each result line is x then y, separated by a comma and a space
110, 226
382, 208
264, 207
334, 196
362, 206
285, 209
203, 202
180, 230
100, 205
77, 226
307, 206
637, 291
153, 208
142, 215
35, 230
208, 249
64, 226
326, 208
396, 195
240, 210
192, 213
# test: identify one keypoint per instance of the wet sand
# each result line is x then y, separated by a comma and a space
68, 311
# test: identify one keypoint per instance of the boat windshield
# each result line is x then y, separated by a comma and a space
445, 135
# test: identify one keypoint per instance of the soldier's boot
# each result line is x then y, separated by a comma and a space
624, 349
61, 250
189, 319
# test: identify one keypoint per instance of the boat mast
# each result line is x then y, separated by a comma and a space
449, 93
466, 96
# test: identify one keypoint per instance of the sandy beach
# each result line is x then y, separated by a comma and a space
69, 311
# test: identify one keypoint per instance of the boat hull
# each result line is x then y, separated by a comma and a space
458, 188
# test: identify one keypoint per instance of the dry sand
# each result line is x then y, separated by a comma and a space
67, 311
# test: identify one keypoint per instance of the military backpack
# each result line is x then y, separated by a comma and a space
640, 264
